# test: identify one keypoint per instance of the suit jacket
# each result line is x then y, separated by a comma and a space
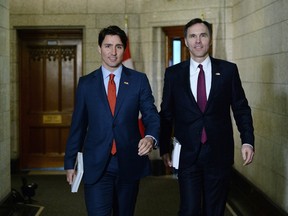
180, 113
94, 127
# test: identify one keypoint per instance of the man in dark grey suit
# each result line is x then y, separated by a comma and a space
197, 110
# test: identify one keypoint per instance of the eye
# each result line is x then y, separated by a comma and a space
192, 35
204, 35
119, 47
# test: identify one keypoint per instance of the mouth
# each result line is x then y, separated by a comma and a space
113, 59
198, 47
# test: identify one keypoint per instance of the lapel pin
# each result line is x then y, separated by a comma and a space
218, 74
126, 83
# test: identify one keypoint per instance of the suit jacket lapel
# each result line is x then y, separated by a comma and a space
216, 78
100, 89
123, 89
186, 81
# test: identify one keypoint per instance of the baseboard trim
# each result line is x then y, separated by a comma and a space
247, 200
14, 204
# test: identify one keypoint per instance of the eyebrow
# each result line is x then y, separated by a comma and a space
112, 44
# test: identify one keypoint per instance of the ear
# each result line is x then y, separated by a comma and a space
186, 44
210, 44
99, 49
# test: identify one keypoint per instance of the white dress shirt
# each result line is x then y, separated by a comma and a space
194, 72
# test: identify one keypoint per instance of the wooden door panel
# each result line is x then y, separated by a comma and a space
48, 79
51, 86
67, 80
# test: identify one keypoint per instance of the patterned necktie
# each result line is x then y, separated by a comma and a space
202, 98
112, 103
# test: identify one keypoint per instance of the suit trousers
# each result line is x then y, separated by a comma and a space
111, 194
203, 186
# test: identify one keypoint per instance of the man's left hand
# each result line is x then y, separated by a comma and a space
145, 146
247, 153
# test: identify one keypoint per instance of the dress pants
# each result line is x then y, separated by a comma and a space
203, 186
111, 195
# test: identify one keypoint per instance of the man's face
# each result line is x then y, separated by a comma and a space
198, 42
111, 51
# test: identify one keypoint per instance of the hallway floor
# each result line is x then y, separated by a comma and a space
158, 195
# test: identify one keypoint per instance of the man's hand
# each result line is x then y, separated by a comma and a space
145, 146
70, 175
247, 153
167, 160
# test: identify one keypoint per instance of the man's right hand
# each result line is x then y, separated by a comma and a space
70, 173
167, 160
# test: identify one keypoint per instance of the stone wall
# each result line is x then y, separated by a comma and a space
260, 48
5, 180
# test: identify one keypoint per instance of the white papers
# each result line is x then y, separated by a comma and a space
176, 153
79, 169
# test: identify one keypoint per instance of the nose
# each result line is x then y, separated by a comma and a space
198, 39
114, 51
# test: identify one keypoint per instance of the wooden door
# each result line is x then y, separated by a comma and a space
50, 63
174, 33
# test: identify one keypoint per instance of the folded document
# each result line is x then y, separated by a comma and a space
176, 153
79, 170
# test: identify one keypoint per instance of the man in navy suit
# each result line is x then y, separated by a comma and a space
205, 133
111, 180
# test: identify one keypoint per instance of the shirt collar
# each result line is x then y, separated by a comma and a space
117, 72
194, 64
